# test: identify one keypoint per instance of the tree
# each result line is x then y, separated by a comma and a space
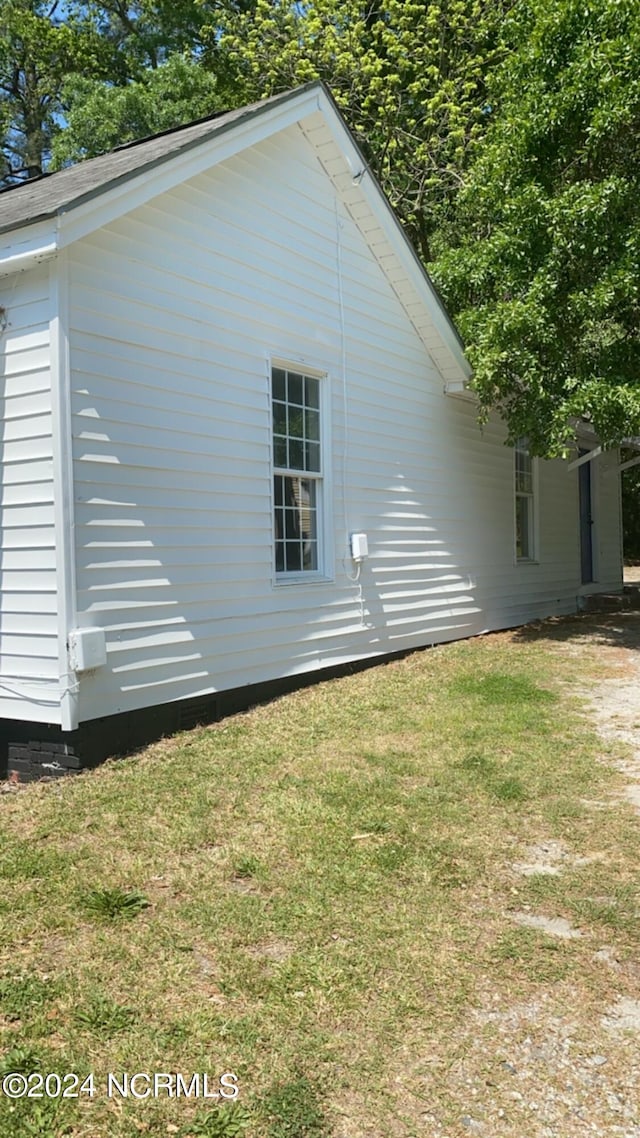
38, 48
79, 77
145, 32
101, 115
169, 75
540, 257
408, 76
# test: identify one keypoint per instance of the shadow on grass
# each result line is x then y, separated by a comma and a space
616, 629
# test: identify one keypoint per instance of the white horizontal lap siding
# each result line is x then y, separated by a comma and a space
514, 593
175, 309
29, 686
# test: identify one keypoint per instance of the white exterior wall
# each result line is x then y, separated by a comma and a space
29, 686
175, 311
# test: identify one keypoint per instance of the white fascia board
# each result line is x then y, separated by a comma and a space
27, 247
81, 220
395, 235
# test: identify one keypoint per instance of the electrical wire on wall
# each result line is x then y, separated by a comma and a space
355, 579
31, 682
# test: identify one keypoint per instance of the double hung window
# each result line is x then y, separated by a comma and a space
524, 502
297, 471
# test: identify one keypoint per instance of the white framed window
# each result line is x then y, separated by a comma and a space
296, 408
525, 502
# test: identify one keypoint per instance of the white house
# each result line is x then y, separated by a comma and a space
221, 360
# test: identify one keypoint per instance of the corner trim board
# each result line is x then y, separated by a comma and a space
63, 485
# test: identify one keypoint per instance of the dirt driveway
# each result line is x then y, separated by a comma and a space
615, 698
575, 1069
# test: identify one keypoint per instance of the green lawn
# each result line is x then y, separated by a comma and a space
318, 896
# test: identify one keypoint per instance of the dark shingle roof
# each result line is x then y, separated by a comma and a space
52, 194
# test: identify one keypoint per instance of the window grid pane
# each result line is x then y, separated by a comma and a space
311, 424
279, 451
280, 418
524, 482
295, 389
296, 455
524, 474
279, 384
296, 448
523, 526
296, 421
524, 501
296, 523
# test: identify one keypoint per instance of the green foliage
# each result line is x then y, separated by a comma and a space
35, 1120
38, 49
534, 954
82, 77
22, 997
30, 1117
408, 77
145, 32
225, 1122
447, 864
23, 1060
246, 867
486, 773
104, 1015
100, 116
294, 1110
539, 260
114, 903
294, 980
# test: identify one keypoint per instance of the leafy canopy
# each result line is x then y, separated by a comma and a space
540, 259
101, 116
77, 78
38, 48
409, 78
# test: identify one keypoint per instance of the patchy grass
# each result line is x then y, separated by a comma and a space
320, 896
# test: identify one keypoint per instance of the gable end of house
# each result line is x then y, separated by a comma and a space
57, 210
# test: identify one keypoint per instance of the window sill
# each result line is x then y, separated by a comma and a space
301, 579
527, 561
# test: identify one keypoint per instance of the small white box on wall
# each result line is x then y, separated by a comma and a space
359, 546
87, 649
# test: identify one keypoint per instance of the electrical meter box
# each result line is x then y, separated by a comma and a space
87, 649
359, 546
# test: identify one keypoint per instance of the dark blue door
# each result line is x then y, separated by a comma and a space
586, 521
